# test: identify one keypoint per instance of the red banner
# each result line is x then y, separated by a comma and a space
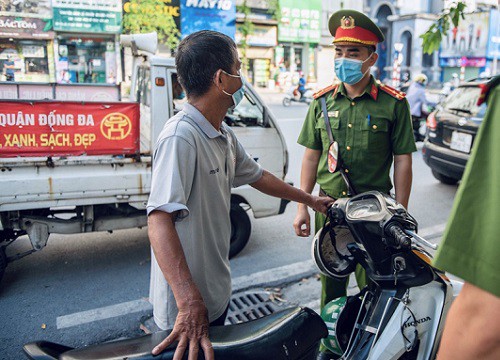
56, 128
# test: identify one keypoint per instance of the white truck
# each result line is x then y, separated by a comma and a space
76, 167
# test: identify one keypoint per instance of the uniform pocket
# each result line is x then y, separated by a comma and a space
321, 126
376, 134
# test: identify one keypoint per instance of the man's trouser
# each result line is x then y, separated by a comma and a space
333, 288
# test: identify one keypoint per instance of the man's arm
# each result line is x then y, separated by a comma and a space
402, 178
191, 324
310, 161
472, 329
271, 185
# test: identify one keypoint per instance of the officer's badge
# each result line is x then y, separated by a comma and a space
347, 22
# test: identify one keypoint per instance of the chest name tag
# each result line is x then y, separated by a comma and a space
334, 114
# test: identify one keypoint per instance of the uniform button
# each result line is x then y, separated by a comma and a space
353, 103
374, 127
348, 148
349, 125
344, 193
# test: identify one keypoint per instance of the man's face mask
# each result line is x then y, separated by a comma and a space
349, 70
238, 94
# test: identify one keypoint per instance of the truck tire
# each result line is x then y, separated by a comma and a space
241, 228
3, 261
444, 179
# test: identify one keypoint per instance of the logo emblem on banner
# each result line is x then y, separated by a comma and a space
116, 126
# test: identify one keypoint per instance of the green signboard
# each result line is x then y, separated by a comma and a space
300, 21
103, 16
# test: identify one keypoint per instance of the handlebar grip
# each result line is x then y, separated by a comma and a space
398, 234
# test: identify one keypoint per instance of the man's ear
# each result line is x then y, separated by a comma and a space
217, 77
373, 59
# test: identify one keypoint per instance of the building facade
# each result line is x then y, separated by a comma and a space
61, 41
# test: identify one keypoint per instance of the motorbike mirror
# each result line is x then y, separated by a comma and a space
333, 156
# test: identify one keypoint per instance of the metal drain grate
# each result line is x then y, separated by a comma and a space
251, 305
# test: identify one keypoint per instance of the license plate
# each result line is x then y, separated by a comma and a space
461, 141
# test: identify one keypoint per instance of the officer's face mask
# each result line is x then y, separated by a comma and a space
238, 94
349, 70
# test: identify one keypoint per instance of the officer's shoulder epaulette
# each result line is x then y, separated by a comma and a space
392, 91
325, 90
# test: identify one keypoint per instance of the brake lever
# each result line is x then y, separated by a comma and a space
421, 240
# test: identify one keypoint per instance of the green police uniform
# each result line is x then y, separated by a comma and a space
471, 242
370, 130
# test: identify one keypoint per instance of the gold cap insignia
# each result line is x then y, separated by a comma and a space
347, 22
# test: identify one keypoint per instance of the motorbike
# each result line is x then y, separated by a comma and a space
291, 334
400, 314
293, 95
418, 123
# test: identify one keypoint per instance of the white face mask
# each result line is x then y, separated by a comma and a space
238, 94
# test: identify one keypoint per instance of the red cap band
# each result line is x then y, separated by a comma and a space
356, 35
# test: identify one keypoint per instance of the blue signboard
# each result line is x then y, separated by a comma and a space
493, 48
217, 15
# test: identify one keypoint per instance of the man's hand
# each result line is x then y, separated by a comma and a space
302, 222
190, 329
321, 203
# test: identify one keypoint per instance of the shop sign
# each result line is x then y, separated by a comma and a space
217, 15
493, 49
458, 62
104, 16
300, 21
26, 8
170, 7
469, 39
265, 36
68, 129
25, 28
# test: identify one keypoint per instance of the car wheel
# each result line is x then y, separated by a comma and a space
241, 228
444, 179
287, 101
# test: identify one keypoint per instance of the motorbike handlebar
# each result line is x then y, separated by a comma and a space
398, 236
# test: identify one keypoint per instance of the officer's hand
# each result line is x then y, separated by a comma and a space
321, 203
190, 329
302, 222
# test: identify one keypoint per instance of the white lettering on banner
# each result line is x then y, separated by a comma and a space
210, 4
17, 24
18, 119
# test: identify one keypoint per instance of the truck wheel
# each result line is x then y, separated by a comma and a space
444, 179
286, 101
3, 261
241, 228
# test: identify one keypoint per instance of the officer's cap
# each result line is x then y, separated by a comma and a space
354, 27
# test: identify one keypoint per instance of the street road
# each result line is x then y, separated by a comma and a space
84, 289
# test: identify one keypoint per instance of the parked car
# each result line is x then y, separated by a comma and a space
453, 126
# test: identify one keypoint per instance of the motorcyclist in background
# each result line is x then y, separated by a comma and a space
417, 100
302, 86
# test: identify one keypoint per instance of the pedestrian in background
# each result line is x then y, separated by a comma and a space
196, 161
470, 249
371, 123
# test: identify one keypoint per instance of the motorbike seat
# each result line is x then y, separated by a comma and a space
292, 333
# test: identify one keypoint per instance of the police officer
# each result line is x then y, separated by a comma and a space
371, 123
470, 249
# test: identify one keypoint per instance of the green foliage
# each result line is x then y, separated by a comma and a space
433, 36
246, 28
150, 16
